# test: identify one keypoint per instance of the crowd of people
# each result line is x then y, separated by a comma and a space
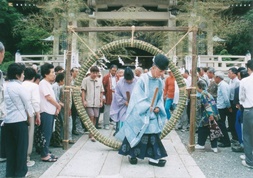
227, 100
221, 101
138, 102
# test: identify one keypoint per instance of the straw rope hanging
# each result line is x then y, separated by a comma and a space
106, 50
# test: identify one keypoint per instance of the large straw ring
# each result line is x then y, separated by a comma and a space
106, 49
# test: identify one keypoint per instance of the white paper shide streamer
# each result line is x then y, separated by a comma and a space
121, 61
136, 62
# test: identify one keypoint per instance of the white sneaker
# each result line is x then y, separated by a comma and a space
27, 174
30, 163
243, 157
2, 159
215, 150
246, 165
107, 127
199, 147
113, 123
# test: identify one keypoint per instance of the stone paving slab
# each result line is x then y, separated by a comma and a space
86, 159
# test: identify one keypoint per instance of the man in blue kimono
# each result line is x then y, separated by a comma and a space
145, 117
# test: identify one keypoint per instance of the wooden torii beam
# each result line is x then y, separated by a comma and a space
121, 29
191, 145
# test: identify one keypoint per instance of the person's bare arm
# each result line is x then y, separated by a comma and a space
84, 98
51, 100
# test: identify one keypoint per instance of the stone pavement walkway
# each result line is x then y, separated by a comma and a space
87, 159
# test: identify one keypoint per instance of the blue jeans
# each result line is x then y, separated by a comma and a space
168, 104
46, 127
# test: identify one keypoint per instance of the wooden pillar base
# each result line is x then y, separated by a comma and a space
65, 144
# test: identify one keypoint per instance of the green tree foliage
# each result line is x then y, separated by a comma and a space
8, 19
239, 34
35, 27
215, 16
222, 19
4, 66
8, 59
32, 29
225, 52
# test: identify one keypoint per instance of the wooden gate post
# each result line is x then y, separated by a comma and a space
191, 146
67, 91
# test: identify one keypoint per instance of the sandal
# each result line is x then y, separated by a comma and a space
53, 156
49, 160
93, 139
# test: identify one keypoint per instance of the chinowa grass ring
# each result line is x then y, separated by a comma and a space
106, 49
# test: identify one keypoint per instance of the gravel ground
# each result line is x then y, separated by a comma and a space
224, 164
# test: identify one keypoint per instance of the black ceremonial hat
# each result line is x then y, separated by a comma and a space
161, 62
128, 74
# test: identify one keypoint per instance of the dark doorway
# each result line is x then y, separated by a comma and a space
144, 59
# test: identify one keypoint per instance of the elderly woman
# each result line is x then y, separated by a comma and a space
209, 113
16, 127
49, 107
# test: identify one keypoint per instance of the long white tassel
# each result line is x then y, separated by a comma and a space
121, 61
106, 60
136, 62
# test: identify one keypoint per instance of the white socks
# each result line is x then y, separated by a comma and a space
154, 160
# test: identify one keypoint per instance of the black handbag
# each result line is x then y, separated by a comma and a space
215, 131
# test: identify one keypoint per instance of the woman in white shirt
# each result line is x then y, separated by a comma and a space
16, 126
49, 107
32, 89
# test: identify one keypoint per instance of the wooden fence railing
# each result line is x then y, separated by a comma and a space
219, 62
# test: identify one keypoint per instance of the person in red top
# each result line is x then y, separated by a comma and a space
109, 84
168, 93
